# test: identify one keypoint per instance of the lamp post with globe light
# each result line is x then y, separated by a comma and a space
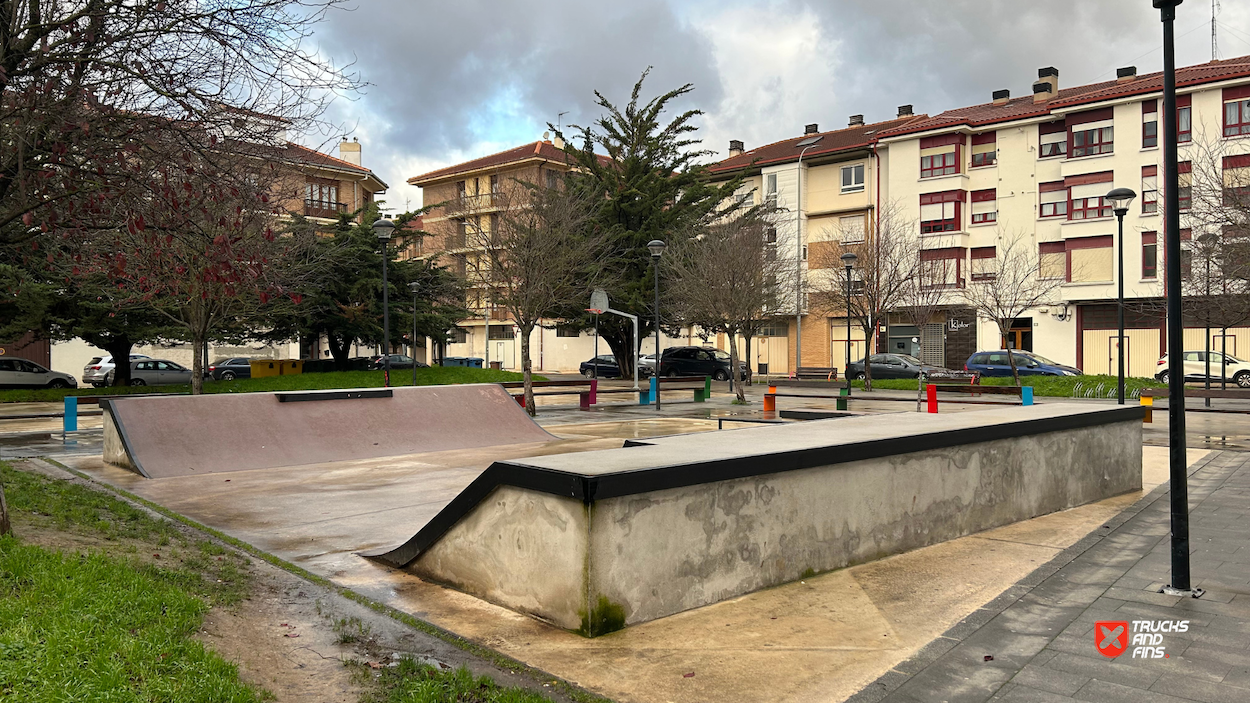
657, 247
383, 229
1120, 198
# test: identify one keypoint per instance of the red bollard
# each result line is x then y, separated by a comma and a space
770, 399
594, 391
931, 394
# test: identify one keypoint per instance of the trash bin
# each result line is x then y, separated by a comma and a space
474, 362
265, 367
453, 361
763, 368
496, 365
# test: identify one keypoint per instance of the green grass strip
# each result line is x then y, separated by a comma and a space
415, 682
433, 376
485, 653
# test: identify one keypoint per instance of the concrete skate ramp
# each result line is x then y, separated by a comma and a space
673, 523
160, 437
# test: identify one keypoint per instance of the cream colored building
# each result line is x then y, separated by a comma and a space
1034, 169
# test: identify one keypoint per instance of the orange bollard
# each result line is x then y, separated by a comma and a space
770, 403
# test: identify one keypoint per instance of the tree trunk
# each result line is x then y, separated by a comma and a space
740, 388
120, 351
197, 365
750, 369
620, 346
5, 527
1015, 373
868, 339
339, 349
527, 377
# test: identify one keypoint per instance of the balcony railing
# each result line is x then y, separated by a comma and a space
475, 203
323, 208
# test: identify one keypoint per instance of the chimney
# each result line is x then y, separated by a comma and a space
1126, 74
811, 129
1048, 78
905, 111
735, 148
856, 121
1001, 97
350, 151
557, 141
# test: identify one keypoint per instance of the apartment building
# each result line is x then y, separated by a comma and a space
827, 188
1034, 170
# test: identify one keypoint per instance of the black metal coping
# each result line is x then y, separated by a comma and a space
589, 488
303, 397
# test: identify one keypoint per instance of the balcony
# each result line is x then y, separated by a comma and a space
323, 208
482, 202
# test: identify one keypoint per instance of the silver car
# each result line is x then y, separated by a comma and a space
96, 372
23, 373
155, 372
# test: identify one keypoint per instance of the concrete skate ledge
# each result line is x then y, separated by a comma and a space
548, 535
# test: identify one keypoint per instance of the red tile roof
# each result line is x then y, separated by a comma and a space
1024, 107
534, 150
302, 154
848, 139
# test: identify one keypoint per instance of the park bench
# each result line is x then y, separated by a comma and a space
587, 391
815, 373
1147, 399
1025, 393
701, 387
770, 398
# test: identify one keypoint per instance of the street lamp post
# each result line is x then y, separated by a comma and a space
1205, 239
1177, 461
414, 287
1120, 199
657, 248
382, 229
849, 260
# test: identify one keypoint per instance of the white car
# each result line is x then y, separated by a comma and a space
22, 373
96, 372
1228, 368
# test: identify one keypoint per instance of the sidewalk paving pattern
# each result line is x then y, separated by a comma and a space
1035, 642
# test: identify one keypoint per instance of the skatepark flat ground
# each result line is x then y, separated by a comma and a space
818, 639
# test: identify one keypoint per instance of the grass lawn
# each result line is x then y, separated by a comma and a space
433, 376
1052, 386
415, 682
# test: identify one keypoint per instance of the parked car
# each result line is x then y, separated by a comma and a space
646, 365
602, 366
97, 370
155, 372
1195, 363
698, 361
892, 366
23, 373
995, 363
398, 361
229, 369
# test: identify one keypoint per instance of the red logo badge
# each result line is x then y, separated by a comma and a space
1111, 637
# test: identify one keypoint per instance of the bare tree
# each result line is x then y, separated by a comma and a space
886, 263
1020, 281
919, 304
727, 277
539, 255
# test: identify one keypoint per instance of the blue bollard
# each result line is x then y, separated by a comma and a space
655, 382
1026, 395
71, 414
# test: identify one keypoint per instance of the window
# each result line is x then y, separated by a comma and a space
553, 178
460, 191
770, 235
458, 337
1089, 141
852, 178
1149, 189
1052, 139
939, 212
1091, 259
502, 332
1053, 199
1236, 115
984, 206
770, 189
941, 156
852, 229
1085, 195
1052, 260
494, 184
1184, 131
942, 268
1150, 124
984, 263
1184, 185
984, 149
1236, 180
1149, 255
776, 328
568, 331
746, 198
495, 232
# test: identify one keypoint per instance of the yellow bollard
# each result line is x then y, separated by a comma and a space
1147, 402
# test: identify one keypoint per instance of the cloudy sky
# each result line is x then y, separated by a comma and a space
449, 81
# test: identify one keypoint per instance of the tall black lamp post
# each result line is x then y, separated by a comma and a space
849, 259
1177, 463
657, 248
1120, 198
414, 287
382, 229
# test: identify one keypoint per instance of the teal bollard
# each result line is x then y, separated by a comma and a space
70, 420
655, 383
1026, 395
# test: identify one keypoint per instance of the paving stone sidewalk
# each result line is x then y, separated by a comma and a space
1040, 632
